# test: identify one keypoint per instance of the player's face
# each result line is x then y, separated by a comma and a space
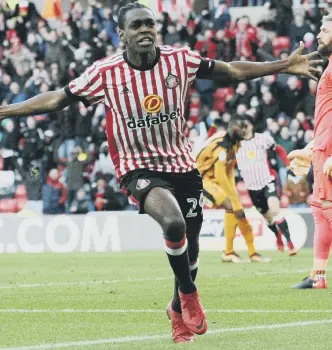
324, 39
140, 32
242, 130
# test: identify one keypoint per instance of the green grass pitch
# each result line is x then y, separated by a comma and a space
69, 301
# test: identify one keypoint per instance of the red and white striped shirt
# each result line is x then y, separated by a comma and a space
253, 163
144, 109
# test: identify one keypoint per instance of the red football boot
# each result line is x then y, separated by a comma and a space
291, 249
193, 314
180, 333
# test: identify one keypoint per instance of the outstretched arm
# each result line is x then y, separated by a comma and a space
44, 103
296, 64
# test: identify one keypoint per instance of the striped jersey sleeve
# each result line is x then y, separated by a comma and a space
193, 63
268, 141
88, 87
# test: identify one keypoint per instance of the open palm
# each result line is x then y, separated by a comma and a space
304, 64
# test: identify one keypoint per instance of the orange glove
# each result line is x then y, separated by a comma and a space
300, 161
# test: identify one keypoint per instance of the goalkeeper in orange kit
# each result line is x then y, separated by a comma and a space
216, 163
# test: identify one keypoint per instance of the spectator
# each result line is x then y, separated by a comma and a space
9, 144
269, 107
309, 99
33, 143
297, 189
285, 141
242, 96
172, 37
104, 166
291, 97
54, 194
221, 16
106, 199
298, 29
80, 204
75, 167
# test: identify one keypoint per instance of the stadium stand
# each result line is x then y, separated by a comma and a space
37, 57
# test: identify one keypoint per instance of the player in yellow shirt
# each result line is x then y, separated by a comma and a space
216, 163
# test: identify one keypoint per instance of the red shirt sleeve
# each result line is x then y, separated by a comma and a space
282, 154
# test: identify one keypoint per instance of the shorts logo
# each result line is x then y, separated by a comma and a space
141, 184
172, 81
152, 104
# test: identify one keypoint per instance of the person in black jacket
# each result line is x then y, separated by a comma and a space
9, 145
83, 124
33, 143
80, 204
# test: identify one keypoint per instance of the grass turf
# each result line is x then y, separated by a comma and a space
141, 281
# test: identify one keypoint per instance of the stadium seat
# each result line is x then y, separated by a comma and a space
21, 191
8, 206
280, 43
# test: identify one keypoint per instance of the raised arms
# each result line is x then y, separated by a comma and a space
44, 103
296, 64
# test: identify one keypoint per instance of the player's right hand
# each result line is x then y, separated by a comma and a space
300, 161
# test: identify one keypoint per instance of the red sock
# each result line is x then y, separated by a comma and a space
323, 232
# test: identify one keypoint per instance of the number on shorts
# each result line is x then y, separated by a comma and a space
271, 187
194, 202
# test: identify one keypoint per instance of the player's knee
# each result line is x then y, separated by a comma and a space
174, 228
274, 206
240, 214
227, 205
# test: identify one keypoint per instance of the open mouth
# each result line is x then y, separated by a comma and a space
145, 42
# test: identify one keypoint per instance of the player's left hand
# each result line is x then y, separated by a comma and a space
327, 168
299, 64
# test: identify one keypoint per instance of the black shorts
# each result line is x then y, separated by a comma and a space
259, 198
186, 187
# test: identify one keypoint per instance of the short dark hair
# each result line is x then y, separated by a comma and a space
236, 119
124, 9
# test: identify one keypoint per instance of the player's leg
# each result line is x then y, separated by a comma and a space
247, 232
273, 201
230, 225
155, 194
216, 197
269, 219
259, 201
322, 245
189, 194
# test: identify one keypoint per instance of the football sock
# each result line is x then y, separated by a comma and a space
246, 231
177, 254
283, 226
322, 236
273, 228
176, 304
230, 231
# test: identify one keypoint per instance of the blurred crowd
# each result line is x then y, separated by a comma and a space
60, 162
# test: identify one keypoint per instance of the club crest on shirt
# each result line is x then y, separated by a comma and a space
141, 184
172, 81
251, 155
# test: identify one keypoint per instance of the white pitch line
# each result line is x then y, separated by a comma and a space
151, 311
167, 336
85, 283
79, 283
